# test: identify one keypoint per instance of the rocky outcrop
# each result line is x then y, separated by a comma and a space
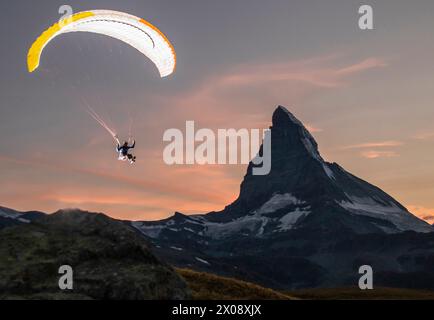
109, 260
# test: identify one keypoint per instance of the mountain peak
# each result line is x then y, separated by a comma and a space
298, 170
294, 132
282, 113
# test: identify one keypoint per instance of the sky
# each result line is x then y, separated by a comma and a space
366, 96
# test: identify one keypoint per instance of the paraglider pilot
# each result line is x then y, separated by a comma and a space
123, 151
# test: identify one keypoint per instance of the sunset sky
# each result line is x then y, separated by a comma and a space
366, 96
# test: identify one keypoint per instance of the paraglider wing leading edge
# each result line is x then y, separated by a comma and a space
130, 29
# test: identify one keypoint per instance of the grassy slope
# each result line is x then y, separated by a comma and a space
206, 286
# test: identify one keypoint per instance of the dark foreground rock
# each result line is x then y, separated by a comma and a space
109, 261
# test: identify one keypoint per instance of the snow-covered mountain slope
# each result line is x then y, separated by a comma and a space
12, 214
12, 217
256, 223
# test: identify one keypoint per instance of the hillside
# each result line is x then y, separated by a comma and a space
109, 260
207, 286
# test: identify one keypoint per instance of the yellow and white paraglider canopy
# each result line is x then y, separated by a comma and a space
132, 30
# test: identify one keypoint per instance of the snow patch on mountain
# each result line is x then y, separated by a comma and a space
288, 221
278, 201
202, 260
402, 219
12, 214
9, 213
309, 143
218, 230
364, 204
328, 171
152, 231
253, 223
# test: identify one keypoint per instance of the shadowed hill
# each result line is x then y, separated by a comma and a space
109, 260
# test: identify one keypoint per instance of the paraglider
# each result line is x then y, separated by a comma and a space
130, 29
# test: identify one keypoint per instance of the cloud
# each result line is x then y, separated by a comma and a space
373, 154
313, 129
379, 144
150, 185
242, 91
363, 65
422, 212
127, 205
305, 71
424, 136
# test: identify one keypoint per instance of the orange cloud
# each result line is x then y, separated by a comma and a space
128, 206
313, 129
424, 213
372, 154
189, 189
379, 144
149, 185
